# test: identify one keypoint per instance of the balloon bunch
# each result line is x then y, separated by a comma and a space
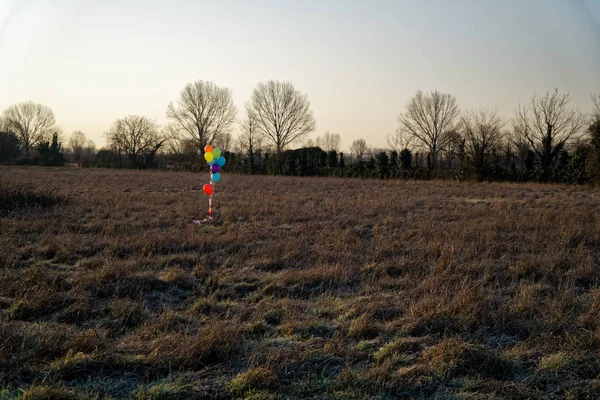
215, 162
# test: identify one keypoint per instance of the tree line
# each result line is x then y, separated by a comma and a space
547, 140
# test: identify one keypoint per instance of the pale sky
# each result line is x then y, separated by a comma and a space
359, 61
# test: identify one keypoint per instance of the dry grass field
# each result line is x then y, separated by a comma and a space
307, 288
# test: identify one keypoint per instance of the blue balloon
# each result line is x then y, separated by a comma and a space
216, 177
221, 161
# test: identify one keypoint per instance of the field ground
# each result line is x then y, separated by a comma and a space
308, 288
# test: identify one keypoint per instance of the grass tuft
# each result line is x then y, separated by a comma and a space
26, 196
252, 379
44, 392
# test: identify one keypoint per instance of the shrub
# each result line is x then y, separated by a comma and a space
9, 146
50, 153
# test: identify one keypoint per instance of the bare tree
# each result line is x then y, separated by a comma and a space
359, 148
76, 145
223, 141
180, 147
76, 140
31, 122
204, 113
547, 125
88, 153
399, 140
482, 138
138, 137
310, 143
594, 136
454, 148
596, 103
329, 141
281, 113
250, 139
427, 117
177, 145
184, 151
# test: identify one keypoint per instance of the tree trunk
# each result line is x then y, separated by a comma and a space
433, 155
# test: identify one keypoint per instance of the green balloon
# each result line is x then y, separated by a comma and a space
216, 153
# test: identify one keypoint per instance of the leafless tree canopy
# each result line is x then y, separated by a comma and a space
547, 124
76, 141
31, 122
178, 146
281, 113
76, 145
250, 138
454, 148
359, 148
596, 102
481, 137
223, 141
90, 146
399, 140
204, 113
427, 117
136, 136
329, 141
175, 144
88, 153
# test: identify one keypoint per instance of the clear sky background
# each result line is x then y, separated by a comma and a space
359, 61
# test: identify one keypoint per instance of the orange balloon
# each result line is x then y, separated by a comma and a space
208, 148
208, 189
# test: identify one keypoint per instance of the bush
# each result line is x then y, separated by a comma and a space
108, 159
382, 165
50, 153
306, 161
594, 154
9, 146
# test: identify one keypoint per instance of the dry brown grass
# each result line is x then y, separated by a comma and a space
306, 288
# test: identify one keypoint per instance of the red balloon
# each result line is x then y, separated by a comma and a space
208, 189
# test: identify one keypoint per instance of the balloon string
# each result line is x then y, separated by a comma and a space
210, 209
